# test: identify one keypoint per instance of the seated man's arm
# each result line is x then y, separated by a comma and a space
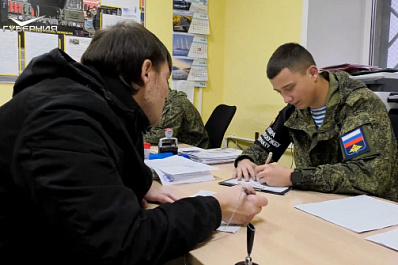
367, 167
275, 139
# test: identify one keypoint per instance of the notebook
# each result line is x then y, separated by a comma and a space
256, 185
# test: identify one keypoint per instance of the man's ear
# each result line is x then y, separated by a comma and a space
313, 71
146, 71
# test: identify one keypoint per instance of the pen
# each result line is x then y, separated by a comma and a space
269, 158
246, 190
250, 238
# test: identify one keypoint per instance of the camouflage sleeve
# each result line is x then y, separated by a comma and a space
372, 172
275, 139
172, 117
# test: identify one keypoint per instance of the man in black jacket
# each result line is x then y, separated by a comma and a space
72, 176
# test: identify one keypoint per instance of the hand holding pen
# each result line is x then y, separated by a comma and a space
245, 169
269, 158
267, 161
273, 174
238, 207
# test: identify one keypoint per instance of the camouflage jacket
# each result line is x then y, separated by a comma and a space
328, 161
182, 116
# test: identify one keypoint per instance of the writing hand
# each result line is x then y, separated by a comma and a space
274, 174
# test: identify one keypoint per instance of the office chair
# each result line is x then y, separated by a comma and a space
218, 123
393, 114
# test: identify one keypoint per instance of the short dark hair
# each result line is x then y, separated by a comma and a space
289, 55
123, 48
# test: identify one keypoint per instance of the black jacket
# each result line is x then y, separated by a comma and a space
72, 174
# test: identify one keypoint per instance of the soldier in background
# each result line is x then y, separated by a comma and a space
181, 115
342, 135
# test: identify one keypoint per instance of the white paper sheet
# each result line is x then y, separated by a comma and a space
9, 53
76, 46
387, 239
38, 43
359, 214
174, 165
110, 20
174, 170
185, 86
212, 156
166, 179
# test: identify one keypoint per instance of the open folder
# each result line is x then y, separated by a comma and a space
256, 185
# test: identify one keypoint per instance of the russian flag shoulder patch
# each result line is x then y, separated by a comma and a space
354, 143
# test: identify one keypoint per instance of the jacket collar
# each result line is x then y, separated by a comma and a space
340, 87
119, 94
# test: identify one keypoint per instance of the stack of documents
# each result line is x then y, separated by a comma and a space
178, 170
211, 156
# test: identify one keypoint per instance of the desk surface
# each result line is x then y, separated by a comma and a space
285, 235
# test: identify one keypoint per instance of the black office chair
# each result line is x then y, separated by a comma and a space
393, 114
218, 123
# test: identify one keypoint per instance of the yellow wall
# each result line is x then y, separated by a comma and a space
243, 35
253, 31
159, 20
213, 94
5, 93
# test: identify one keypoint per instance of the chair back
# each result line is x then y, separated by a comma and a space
393, 114
218, 123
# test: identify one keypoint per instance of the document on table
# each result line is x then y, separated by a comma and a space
231, 228
387, 239
256, 185
211, 156
177, 170
359, 213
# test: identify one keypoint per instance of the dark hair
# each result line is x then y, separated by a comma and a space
289, 55
123, 48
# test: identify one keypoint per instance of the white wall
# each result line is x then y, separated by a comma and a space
337, 31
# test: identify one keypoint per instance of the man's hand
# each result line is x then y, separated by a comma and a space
161, 195
250, 204
274, 174
245, 169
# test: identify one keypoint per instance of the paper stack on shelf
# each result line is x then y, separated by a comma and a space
350, 68
211, 156
174, 170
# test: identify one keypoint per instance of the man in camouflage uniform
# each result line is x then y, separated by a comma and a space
354, 151
182, 116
